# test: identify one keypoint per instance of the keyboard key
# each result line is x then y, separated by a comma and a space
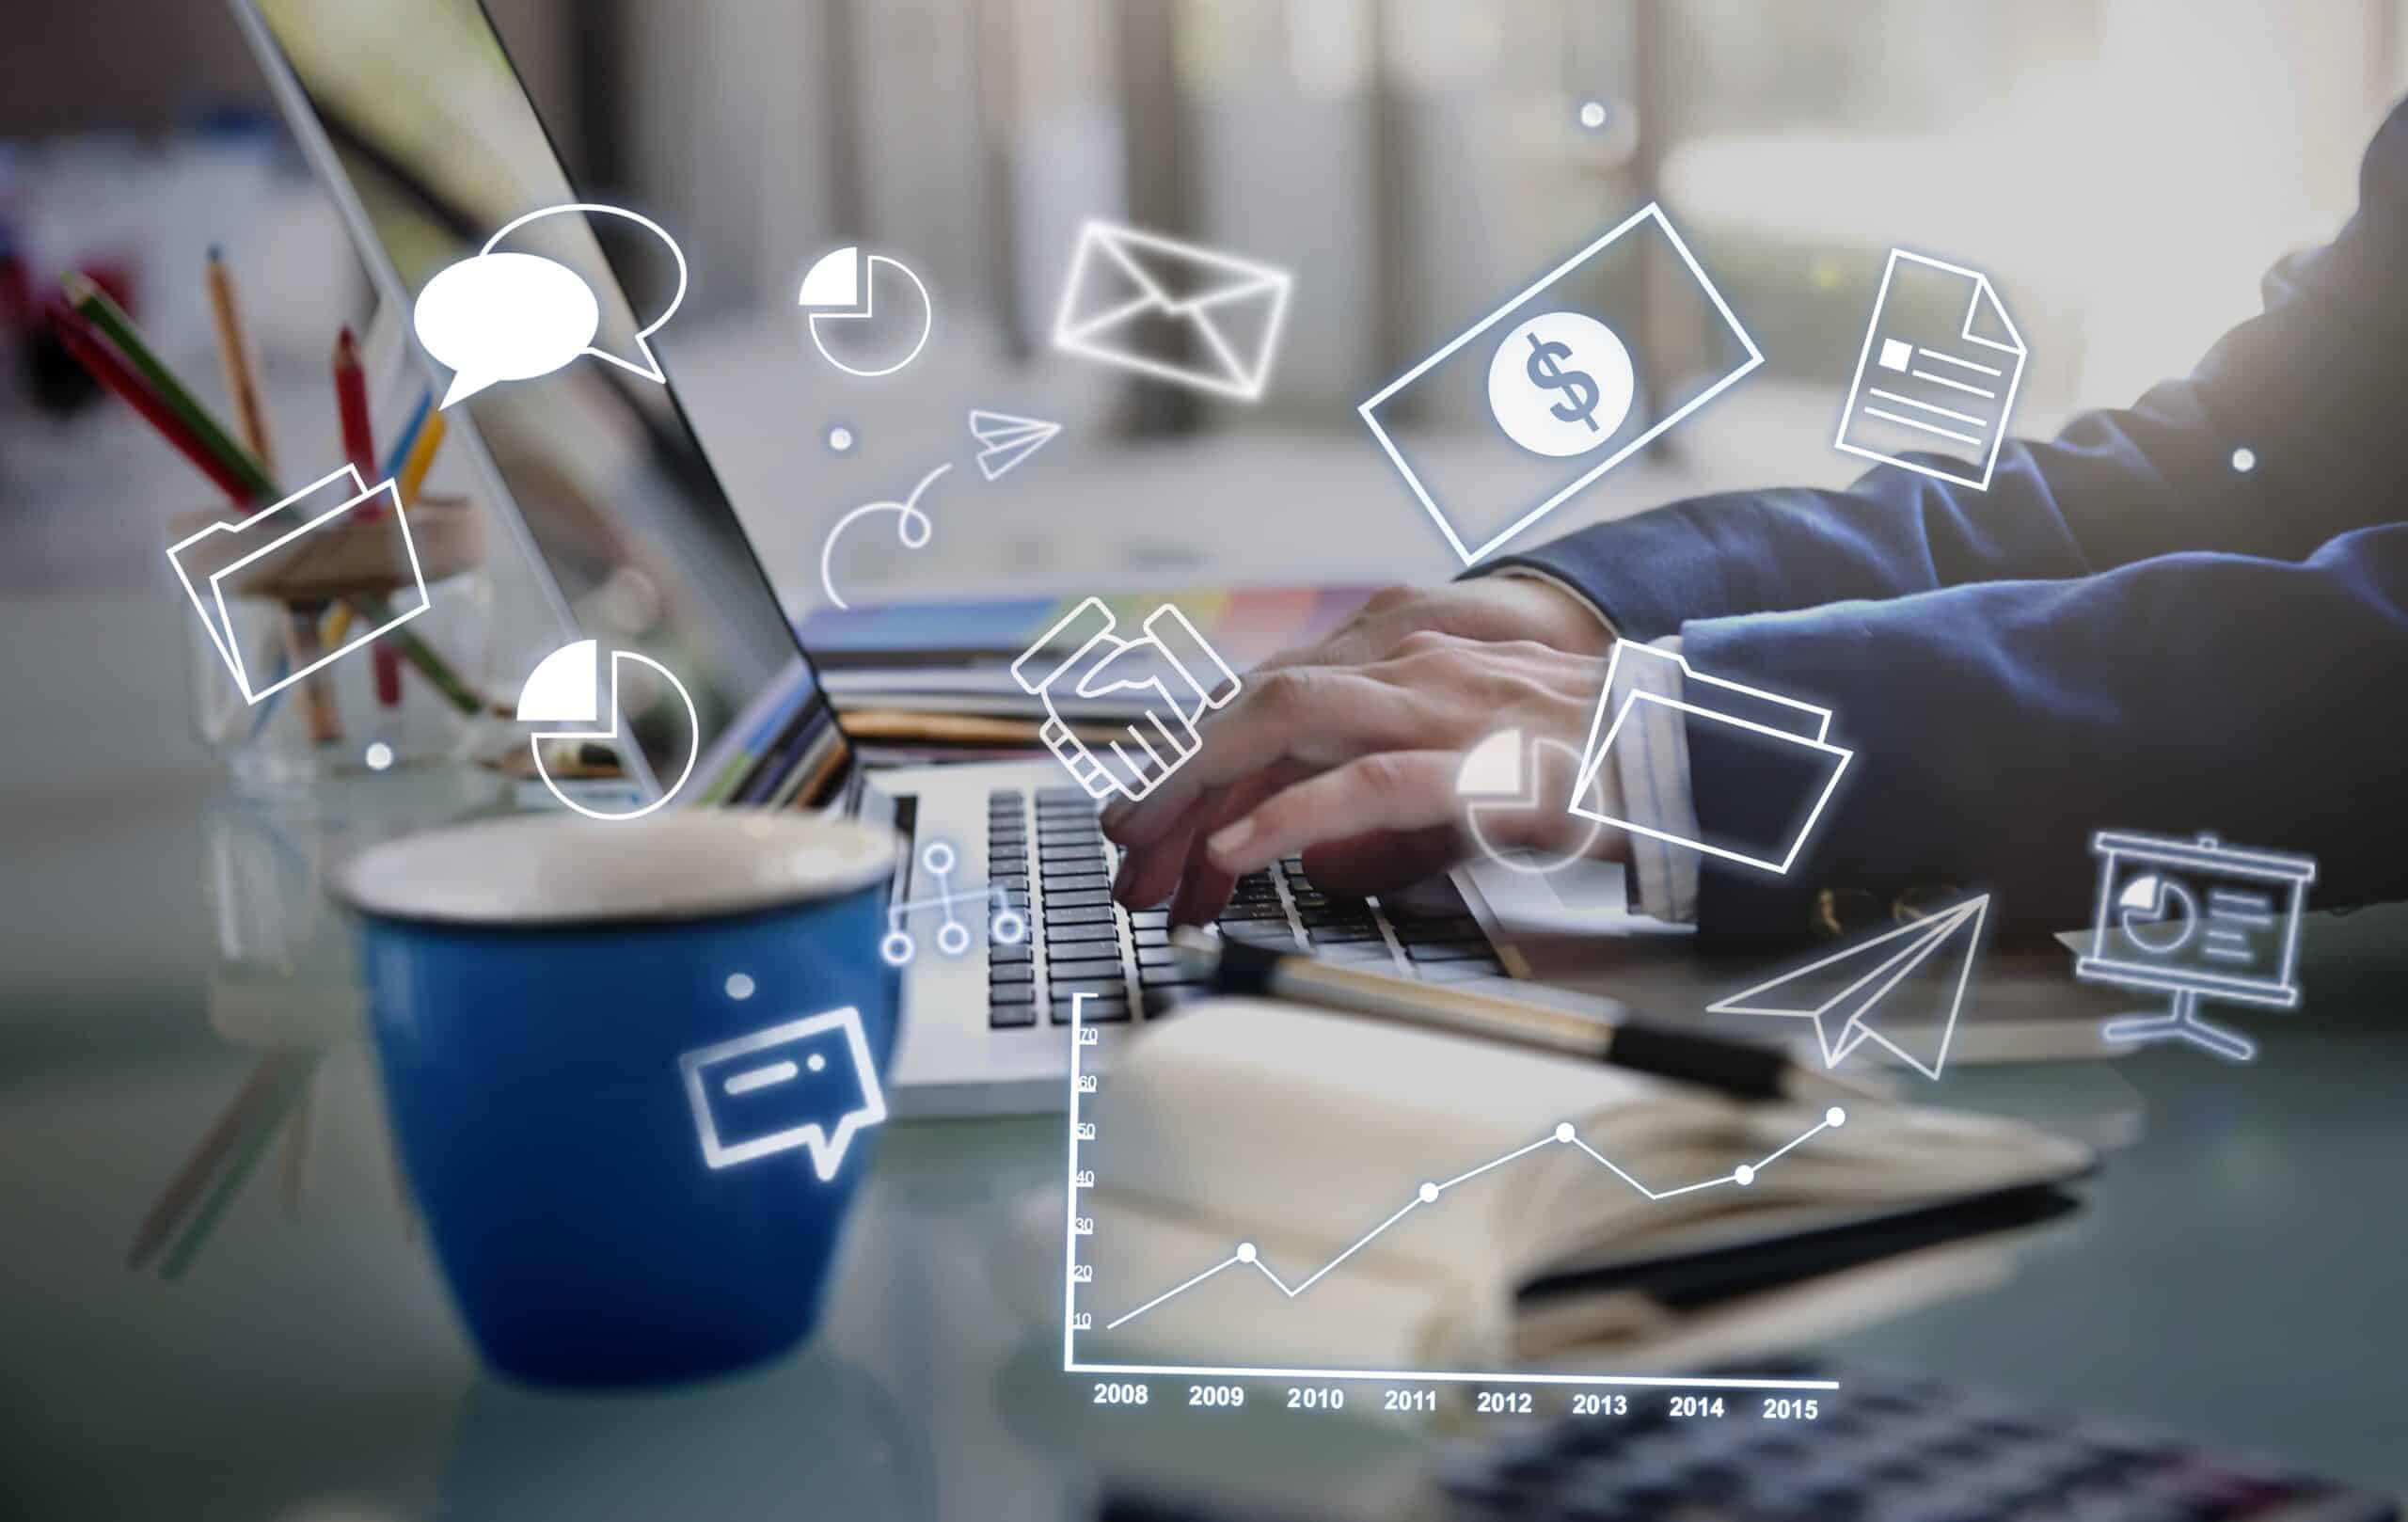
1450, 951
1000, 953
1087, 898
1108, 1007
1372, 952
1096, 914
1157, 956
999, 974
1433, 927
1058, 934
1003, 1017
1460, 972
1058, 967
1074, 876
1149, 935
1339, 934
1149, 918
1252, 912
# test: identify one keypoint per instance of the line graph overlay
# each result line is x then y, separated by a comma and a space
1083, 1036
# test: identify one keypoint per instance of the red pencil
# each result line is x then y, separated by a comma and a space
359, 443
93, 353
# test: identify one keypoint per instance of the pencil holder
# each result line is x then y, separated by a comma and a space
411, 698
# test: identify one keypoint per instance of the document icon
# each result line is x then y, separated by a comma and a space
318, 544
1850, 995
1172, 310
1938, 372
1791, 767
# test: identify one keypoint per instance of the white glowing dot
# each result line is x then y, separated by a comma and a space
379, 756
1835, 1116
1593, 114
1743, 1175
816, 1062
1429, 1194
1563, 1131
840, 439
1245, 1252
2244, 459
739, 985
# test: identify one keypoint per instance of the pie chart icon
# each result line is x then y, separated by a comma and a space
1500, 776
2156, 913
565, 688
870, 315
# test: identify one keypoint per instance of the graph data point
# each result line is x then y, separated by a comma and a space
1245, 1252
1743, 1175
1563, 1131
1835, 1116
1429, 1193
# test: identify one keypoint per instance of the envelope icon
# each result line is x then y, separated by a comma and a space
315, 545
1779, 744
1172, 310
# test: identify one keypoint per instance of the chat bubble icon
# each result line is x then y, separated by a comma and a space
501, 317
807, 1083
504, 315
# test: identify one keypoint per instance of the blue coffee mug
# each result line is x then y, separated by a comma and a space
633, 1069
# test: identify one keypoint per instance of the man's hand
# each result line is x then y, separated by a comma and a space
1347, 751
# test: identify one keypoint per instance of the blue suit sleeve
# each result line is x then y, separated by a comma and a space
2311, 387
1997, 726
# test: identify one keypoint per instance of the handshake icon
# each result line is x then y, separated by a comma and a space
1087, 672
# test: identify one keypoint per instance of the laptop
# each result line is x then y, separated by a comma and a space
601, 481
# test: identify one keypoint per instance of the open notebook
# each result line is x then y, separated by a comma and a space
1356, 1193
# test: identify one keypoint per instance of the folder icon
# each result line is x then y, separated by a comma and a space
312, 545
1793, 767
1172, 310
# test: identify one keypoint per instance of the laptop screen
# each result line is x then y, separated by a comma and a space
605, 475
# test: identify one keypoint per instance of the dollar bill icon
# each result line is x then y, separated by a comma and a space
1553, 370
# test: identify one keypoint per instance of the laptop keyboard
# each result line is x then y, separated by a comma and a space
1048, 855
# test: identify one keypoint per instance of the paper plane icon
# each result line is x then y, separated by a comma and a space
1843, 993
1005, 442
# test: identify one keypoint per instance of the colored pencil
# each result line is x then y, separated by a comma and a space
93, 305
235, 357
215, 1142
359, 445
412, 475
351, 399
301, 645
406, 440
291, 1081
93, 353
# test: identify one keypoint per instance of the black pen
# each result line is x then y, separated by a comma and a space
1614, 1034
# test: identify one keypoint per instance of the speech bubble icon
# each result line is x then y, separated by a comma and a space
499, 317
807, 1083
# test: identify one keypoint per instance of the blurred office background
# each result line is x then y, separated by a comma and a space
2124, 169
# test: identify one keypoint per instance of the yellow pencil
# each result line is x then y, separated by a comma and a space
301, 644
421, 458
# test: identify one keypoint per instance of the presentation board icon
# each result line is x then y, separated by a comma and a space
808, 1083
1852, 996
565, 688
1790, 738
870, 315
329, 535
1176, 311
1560, 383
506, 315
1005, 442
1937, 372
2200, 920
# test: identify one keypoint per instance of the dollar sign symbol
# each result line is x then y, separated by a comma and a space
1545, 370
